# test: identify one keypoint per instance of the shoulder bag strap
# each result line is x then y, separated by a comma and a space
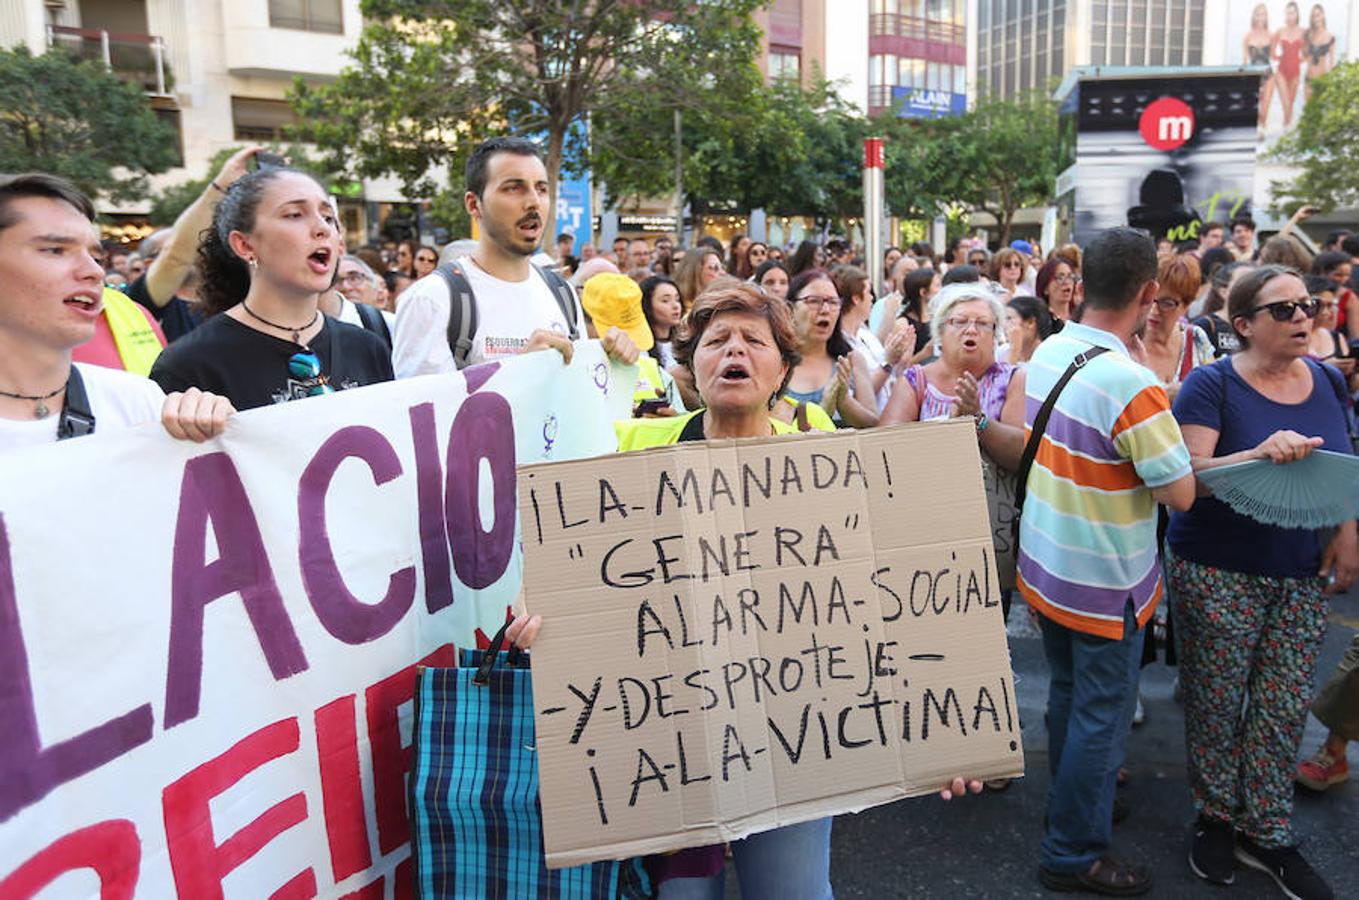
462, 312
566, 298
1040, 424
76, 418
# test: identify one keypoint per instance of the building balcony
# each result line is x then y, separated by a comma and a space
897, 25
138, 58
264, 40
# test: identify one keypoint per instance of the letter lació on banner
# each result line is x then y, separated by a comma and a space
207, 650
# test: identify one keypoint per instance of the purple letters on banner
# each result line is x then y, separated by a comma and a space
344, 615
212, 490
31, 771
430, 504
482, 429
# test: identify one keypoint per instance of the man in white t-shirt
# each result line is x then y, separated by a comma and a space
516, 310
52, 296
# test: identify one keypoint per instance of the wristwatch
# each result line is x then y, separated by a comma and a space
983, 423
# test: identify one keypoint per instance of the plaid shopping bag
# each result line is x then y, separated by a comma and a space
476, 824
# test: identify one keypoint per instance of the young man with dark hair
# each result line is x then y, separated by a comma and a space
513, 308
53, 297
1110, 452
1211, 235
1243, 237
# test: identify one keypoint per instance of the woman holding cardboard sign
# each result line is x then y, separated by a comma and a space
740, 345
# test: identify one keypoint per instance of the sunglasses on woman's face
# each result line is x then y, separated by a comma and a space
1283, 310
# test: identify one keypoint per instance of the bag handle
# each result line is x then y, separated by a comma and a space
514, 657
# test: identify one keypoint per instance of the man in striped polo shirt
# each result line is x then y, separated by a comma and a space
1087, 549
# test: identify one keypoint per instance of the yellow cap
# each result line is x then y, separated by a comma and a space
614, 300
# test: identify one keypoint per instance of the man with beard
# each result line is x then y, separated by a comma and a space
505, 304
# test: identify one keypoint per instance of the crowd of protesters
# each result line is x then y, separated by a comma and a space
1153, 364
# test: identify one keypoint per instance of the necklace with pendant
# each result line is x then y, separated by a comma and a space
40, 411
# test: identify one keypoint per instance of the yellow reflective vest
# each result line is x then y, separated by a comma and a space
137, 342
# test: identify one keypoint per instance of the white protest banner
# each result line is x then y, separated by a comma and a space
207, 652
739, 635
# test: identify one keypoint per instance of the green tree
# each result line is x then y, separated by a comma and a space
998, 157
76, 119
778, 147
431, 78
169, 202
1324, 146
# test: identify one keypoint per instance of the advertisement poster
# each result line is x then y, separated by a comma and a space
1165, 154
1300, 42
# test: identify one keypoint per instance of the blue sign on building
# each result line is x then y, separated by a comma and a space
919, 103
573, 209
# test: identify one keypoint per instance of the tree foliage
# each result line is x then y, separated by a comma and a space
430, 79
777, 147
998, 157
74, 118
1324, 146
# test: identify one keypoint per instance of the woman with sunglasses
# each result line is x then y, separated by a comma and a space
1250, 598
268, 257
1007, 270
1174, 348
426, 261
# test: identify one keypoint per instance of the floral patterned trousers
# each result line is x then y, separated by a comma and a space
1249, 645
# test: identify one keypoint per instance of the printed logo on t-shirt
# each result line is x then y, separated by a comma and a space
495, 347
300, 390
498, 347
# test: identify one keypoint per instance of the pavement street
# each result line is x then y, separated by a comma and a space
987, 846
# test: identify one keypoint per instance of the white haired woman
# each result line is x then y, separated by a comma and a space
965, 379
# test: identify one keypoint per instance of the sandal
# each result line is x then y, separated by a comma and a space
1105, 876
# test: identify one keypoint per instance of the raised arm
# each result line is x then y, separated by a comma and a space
169, 270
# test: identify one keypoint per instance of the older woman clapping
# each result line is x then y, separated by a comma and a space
1249, 596
966, 380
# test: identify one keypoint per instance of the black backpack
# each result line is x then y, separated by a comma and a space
462, 307
374, 321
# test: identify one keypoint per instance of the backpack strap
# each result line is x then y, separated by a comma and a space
462, 312
374, 321
77, 420
1040, 424
566, 298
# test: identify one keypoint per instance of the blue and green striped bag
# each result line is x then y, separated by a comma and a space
476, 824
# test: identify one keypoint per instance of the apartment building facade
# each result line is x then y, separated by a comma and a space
219, 70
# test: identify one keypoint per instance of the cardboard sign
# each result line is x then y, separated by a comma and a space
1000, 487
742, 635
207, 652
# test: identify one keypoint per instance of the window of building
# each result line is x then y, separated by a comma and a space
307, 15
876, 64
789, 65
260, 120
